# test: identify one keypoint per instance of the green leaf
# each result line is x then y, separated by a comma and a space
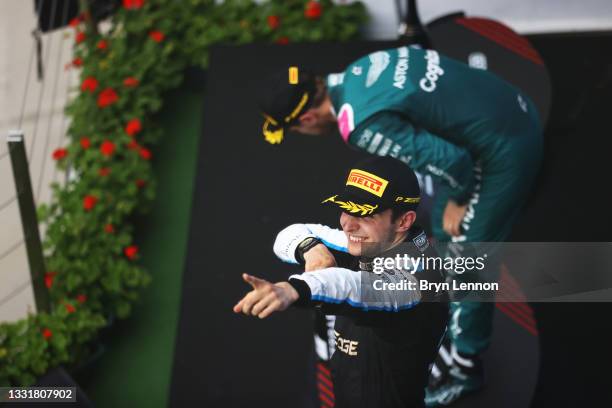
87, 259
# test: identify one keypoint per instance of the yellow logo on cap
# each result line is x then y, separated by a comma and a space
270, 119
298, 109
367, 181
272, 136
408, 200
293, 75
352, 207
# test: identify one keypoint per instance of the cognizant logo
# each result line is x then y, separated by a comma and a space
428, 83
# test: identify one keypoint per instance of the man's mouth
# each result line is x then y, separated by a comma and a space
356, 239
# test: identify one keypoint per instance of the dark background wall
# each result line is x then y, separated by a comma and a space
247, 190
572, 203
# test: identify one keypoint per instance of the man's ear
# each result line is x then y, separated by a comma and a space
308, 118
406, 221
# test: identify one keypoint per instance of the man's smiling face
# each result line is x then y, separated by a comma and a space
378, 232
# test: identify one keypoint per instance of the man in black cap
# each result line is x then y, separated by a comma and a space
388, 330
479, 136
303, 105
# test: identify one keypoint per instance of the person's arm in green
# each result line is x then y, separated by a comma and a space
389, 134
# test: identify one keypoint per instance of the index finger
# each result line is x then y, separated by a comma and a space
254, 281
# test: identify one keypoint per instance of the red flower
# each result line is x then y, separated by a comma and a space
85, 143
140, 183
283, 41
89, 202
273, 22
133, 127
313, 10
131, 252
130, 82
75, 21
47, 333
70, 308
49, 276
133, 4
109, 228
107, 97
102, 45
89, 84
157, 36
59, 154
145, 153
104, 171
133, 145
80, 37
81, 298
107, 148
77, 62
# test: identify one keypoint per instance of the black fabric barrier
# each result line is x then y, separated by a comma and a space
247, 190
572, 203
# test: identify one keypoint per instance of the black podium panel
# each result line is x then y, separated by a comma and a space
246, 191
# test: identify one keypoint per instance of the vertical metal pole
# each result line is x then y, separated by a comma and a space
29, 220
411, 29
90, 21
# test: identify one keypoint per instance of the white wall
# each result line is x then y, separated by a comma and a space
524, 16
44, 125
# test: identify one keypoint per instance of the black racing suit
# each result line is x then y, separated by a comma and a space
384, 345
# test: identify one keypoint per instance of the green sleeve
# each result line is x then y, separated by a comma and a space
388, 133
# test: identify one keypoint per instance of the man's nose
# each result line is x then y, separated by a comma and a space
348, 222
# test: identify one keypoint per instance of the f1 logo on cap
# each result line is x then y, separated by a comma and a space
367, 181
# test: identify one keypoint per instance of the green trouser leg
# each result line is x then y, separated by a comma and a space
501, 188
470, 326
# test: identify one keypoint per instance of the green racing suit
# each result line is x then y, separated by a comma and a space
474, 132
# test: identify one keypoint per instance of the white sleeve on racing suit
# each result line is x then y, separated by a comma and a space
289, 238
362, 291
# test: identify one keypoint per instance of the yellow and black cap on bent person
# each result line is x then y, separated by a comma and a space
376, 184
284, 97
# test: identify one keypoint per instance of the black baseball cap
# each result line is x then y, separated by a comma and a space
285, 96
376, 184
